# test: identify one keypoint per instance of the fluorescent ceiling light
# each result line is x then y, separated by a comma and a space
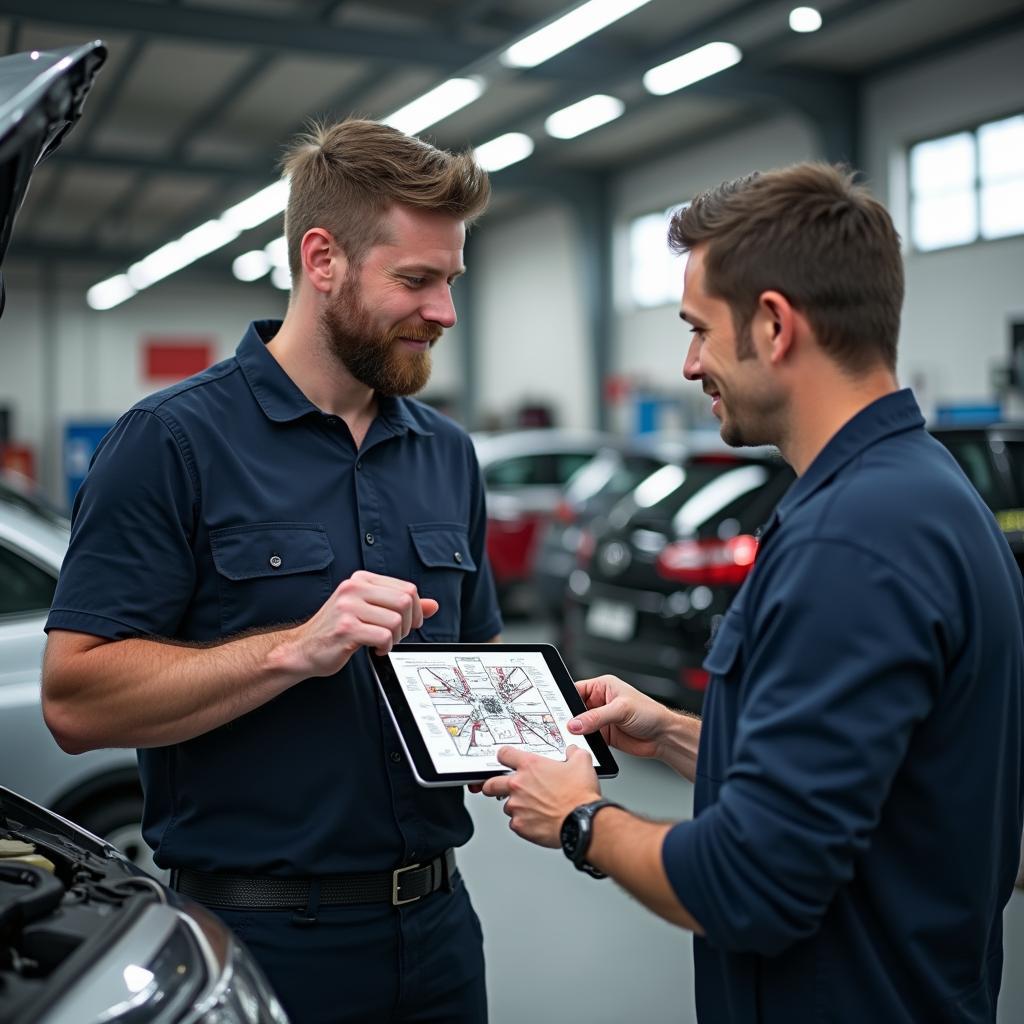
277, 251
567, 31
584, 116
503, 151
251, 266
176, 255
252, 212
281, 278
436, 105
109, 293
804, 19
691, 67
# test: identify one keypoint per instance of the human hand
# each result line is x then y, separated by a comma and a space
629, 720
366, 610
541, 792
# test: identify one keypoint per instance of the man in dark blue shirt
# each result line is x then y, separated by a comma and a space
859, 773
240, 538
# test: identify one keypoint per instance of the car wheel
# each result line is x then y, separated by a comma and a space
118, 820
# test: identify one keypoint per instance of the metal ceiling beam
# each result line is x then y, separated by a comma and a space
234, 28
250, 170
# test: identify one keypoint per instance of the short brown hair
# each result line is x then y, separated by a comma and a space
811, 233
344, 177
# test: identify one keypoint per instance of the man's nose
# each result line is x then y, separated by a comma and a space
692, 369
440, 309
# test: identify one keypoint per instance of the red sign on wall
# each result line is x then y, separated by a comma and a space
171, 358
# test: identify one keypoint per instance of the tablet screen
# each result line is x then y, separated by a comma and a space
455, 704
469, 705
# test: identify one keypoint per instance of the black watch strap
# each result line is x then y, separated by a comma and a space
577, 834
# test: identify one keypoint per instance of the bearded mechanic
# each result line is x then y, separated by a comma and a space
240, 538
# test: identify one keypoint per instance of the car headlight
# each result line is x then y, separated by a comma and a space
241, 994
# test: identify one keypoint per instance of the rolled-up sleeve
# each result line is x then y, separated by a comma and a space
129, 569
838, 666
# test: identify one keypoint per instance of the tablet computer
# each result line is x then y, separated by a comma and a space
454, 705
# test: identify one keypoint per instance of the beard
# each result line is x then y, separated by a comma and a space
375, 357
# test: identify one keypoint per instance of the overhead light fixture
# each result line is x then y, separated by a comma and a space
804, 19
193, 245
691, 67
567, 31
111, 292
251, 266
436, 105
281, 277
584, 116
258, 208
503, 151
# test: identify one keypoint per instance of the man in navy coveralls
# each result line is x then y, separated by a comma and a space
858, 772
241, 538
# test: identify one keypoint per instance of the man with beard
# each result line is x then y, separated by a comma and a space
240, 538
859, 771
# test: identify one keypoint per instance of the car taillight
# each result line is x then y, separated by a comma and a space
585, 548
710, 562
695, 678
564, 513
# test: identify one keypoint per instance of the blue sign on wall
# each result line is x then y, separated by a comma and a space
81, 439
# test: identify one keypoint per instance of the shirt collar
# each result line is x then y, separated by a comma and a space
280, 397
894, 413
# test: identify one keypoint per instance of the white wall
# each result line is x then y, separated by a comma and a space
530, 315
959, 301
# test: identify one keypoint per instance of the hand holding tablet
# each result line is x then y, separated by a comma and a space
454, 705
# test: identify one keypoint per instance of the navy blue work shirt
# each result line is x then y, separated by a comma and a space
859, 796
229, 502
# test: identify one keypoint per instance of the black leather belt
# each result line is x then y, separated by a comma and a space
241, 892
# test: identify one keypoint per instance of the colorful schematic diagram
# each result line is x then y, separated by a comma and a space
487, 706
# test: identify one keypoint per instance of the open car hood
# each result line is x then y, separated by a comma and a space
41, 97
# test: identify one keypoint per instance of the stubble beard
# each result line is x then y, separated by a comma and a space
376, 358
756, 423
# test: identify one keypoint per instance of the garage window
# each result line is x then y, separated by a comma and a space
655, 273
968, 186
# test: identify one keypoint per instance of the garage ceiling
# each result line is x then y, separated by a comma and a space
198, 96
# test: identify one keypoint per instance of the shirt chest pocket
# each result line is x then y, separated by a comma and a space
271, 573
725, 659
442, 561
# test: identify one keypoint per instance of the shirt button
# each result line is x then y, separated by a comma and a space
275, 561
458, 557
359, 464
396, 756
333, 420
369, 538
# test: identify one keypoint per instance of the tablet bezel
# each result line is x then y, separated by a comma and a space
407, 726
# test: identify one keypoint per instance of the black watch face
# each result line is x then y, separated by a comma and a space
570, 837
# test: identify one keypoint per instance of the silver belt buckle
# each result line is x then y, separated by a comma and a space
395, 901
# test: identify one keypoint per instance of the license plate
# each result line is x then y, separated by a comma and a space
612, 620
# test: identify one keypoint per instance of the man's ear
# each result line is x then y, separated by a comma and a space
323, 261
775, 320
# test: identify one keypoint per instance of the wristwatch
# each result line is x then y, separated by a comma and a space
577, 832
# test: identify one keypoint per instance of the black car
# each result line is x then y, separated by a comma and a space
643, 601
654, 576
589, 494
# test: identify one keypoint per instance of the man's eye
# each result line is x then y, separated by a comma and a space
414, 282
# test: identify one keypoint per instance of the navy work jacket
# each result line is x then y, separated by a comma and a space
859, 795
229, 502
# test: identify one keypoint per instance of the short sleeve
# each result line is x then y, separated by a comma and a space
481, 618
834, 685
129, 569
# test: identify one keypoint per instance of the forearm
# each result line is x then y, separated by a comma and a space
146, 693
678, 743
628, 850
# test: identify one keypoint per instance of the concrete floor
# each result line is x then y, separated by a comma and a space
562, 946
